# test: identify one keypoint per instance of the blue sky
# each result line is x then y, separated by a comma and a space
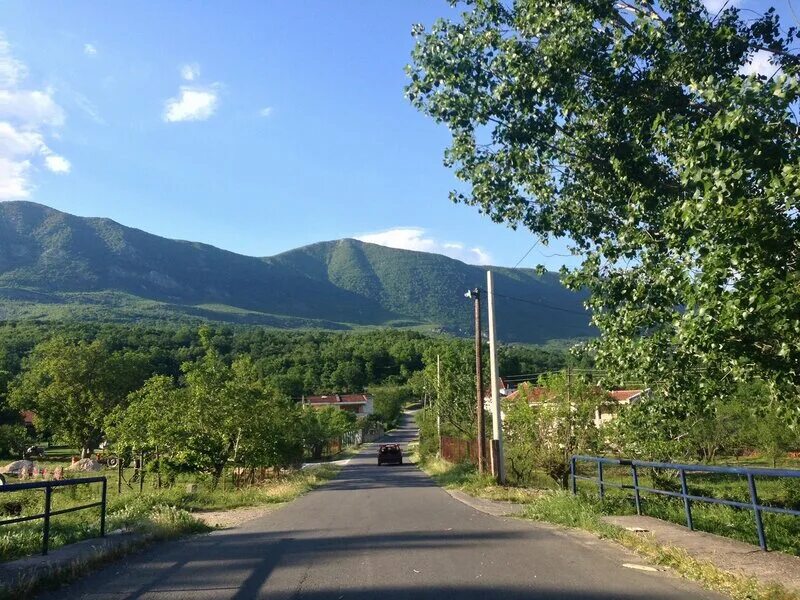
257, 128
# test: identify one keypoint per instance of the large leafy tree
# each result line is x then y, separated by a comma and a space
320, 426
73, 386
222, 414
633, 128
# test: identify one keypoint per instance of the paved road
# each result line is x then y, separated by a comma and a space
385, 533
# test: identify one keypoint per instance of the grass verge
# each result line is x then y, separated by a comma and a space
564, 509
153, 516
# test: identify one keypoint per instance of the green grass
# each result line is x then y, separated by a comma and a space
165, 512
782, 531
562, 508
584, 512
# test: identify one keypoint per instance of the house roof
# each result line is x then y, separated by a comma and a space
534, 393
338, 399
626, 395
27, 416
539, 394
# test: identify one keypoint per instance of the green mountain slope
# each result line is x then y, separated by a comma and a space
57, 266
430, 288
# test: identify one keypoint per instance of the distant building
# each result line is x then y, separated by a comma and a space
360, 404
605, 412
619, 398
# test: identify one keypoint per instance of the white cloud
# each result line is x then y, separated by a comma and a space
26, 115
266, 111
14, 179
57, 164
15, 143
416, 238
31, 108
89, 49
190, 72
12, 71
192, 104
759, 65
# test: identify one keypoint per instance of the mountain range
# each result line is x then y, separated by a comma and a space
57, 266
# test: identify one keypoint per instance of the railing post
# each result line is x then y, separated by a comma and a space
573, 481
636, 496
600, 479
687, 504
48, 491
103, 509
762, 538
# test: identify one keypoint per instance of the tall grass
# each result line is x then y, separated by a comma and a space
165, 512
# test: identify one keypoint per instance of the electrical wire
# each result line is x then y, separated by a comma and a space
541, 304
524, 256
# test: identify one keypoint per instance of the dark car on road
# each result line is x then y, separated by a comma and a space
390, 454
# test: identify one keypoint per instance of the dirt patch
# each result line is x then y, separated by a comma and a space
225, 519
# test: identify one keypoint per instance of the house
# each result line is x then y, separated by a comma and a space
606, 410
360, 404
618, 398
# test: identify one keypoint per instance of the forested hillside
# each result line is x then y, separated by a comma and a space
57, 266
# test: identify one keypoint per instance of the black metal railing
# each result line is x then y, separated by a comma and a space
48, 487
750, 473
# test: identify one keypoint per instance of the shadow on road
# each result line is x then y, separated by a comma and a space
200, 571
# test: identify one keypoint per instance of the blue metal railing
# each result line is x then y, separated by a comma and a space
48, 487
682, 469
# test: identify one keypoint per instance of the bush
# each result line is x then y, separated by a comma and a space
13, 440
428, 433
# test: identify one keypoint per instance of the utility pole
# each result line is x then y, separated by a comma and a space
476, 296
498, 462
439, 402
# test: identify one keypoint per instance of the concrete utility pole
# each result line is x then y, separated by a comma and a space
498, 462
476, 296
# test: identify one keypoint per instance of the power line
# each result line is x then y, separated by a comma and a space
543, 305
524, 256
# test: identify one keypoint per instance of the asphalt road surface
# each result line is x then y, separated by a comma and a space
386, 533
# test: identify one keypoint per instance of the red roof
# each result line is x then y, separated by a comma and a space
534, 393
27, 416
337, 399
539, 393
361, 398
625, 395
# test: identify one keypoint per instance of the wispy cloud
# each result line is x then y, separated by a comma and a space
417, 238
89, 49
12, 71
190, 72
265, 112
26, 115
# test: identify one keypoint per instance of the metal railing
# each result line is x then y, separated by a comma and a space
48, 486
750, 473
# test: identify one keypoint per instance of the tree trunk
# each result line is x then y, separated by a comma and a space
217, 475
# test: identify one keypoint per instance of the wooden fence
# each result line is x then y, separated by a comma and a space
455, 450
